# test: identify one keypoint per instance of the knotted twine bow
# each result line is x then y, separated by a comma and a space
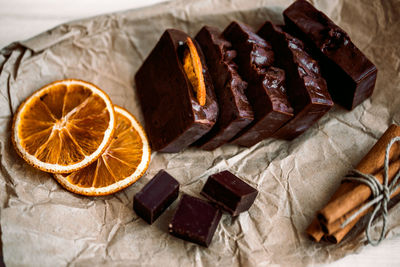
381, 194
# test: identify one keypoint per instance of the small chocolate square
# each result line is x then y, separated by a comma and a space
195, 220
156, 196
229, 192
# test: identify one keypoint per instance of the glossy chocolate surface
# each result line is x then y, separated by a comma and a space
229, 192
350, 75
235, 110
195, 220
305, 87
266, 84
173, 117
156, 196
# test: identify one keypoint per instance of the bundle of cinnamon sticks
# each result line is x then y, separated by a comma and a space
351, 196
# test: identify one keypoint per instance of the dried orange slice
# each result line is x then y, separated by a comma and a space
123, 163
194, 71
64, 126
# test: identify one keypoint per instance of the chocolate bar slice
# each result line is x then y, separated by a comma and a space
229, 192
350, 75
235, 112
156, 196
266, 84
195, 220
305, 87
174, 118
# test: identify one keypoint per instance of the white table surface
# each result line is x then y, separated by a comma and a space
22, 19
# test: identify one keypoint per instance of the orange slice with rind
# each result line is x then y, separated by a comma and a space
64, 126
194, 71
124, 161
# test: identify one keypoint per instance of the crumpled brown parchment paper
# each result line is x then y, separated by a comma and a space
44, 225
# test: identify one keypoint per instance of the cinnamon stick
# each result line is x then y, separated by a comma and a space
358, 193
314, 231
336, 225
337, 236
371, 163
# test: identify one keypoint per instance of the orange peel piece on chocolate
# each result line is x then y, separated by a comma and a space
194, 71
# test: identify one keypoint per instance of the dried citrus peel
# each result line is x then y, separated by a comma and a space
64, 126
123, 162
194, 71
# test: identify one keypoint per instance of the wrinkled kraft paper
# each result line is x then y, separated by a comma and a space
45, 225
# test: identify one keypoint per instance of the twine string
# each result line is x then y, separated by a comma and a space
381, 194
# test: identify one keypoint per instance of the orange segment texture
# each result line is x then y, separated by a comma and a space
64, 126
194, 71
122, 163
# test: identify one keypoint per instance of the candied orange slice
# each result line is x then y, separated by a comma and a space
194, 71
123, 162
64, 126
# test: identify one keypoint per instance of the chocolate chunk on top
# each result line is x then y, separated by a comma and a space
229, 192
235, 110
156, 196
266, 84
195, 220
305, 87
350, 75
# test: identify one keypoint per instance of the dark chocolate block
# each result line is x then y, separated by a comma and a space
235, 112
266, 89
350, 75
305, 87
174, 118
229, 192
195, 220
156, 196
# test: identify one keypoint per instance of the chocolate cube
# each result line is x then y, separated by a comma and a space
156, 196
350, 75
195, 220
229, 192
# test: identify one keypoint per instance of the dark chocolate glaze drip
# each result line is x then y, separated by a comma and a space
233, 78
308, 70
328, 38
235, 110
259, 64
325, 33
274, 79
350, 75
306, 89
261, 56
266, 90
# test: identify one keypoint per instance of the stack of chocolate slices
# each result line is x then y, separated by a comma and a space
240, 86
